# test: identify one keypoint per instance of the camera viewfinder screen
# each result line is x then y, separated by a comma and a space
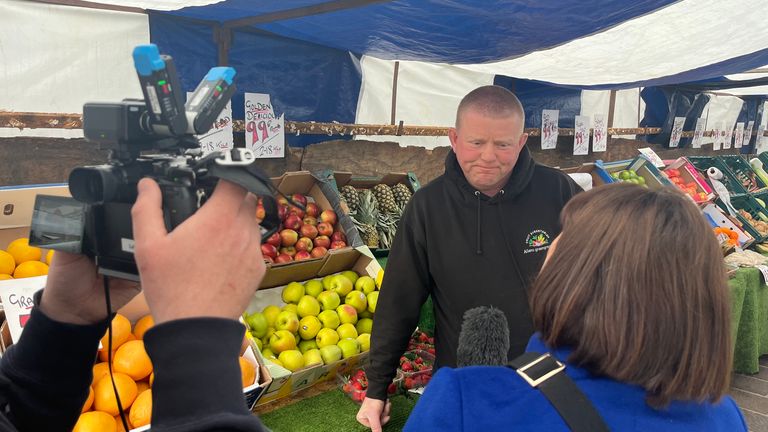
58, 223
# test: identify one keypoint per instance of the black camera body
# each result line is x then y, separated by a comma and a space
146, 138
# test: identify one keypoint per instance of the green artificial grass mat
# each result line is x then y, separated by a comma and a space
332, 411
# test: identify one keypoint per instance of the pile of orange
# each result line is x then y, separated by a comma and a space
133, 377
20, 260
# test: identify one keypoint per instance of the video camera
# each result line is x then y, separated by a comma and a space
153, 137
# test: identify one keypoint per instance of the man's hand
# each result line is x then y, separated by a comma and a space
374, 413
210, 265
74, 292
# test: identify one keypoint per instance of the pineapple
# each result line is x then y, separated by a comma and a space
385, 198
402, 194
367, 217
349, 195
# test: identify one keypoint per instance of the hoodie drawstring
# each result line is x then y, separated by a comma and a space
479, 243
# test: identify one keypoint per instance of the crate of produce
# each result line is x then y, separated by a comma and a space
598, 175
742, 171
703, 163
719, 218
688, 180
355, 384
375, 205
639, 171
752, 215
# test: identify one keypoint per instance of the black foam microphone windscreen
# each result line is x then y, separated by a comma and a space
484, 338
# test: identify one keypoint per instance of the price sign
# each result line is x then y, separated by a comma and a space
581, 135
677, 132
600, 134
264, 131
698, 134
16, 296
220, 136
549, 131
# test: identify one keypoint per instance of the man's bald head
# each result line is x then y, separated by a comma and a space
491, 101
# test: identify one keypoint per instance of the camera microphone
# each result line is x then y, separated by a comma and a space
484, 338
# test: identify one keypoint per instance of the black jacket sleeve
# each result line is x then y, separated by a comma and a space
198, 385
44, 377
405, 287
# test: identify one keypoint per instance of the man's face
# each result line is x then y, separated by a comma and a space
487, 148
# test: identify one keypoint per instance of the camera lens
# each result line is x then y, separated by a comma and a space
95, 184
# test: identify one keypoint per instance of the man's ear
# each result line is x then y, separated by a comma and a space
523, 140
453, 137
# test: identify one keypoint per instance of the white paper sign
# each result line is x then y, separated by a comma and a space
581, 135
16, 295
726, 137
761, 144
652, 156
716, 140
698, 134
764, 270
748, 133
600, 134
264, 130
738, 135
677, 132
220, 137
549, 130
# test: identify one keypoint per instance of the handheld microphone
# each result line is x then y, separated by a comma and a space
484, 338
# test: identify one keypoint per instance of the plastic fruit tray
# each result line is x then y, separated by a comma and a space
416, 368
355, 385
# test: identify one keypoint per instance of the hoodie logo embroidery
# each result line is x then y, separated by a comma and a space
537, 241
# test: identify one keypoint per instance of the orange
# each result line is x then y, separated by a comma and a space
49, 257
248, 372
99, 371
142, 385
5, 276
104, 399
89, 401
119, 422
142, 325
132, 359
30, 269
95, 421
121, 329
7, 263
23, 252
141, 410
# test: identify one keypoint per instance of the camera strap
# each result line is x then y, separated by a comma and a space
545, 373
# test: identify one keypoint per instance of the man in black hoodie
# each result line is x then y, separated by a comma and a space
475, 236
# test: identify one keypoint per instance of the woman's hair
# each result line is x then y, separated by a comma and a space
636, 285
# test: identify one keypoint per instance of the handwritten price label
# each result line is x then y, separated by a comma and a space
220, 136
265, 132
16, 296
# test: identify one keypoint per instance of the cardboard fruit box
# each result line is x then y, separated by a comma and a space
644, 168
597, 173
689, 175
285, 382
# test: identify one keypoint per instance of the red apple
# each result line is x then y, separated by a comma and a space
302, 255
324, 228
288, 250
338, 245
288, 237
292, 222
282, 200
296, 211
339, 236
282, 211
260, 212
308, 231
275, 239
310, 220
283, 258
269, 260
322, 242
299, 199
269, 250
318, 252
313, 210
304, 243
328, 216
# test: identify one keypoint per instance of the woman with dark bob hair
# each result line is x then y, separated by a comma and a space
633, 300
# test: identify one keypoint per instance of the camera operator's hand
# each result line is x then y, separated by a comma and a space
74, 292
210, 265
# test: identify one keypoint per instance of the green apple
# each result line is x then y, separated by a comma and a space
309, 327
258, 343
347, 331
282, 340
287, 321
270, 313
352, 276
347, 314
330, 354
330, 319
312, 357
293, 292
349, 347
277, 362
357, 300
365, 314
290, 308
268, 354
314, 287
341, 285
307, 345
270, 332
327, 337
292, 360
373, 298
365, 342
329, 300
366, 284
364, 325
258, 324
327, 282
308, 306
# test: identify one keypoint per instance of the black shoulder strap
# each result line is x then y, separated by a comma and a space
548, 375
